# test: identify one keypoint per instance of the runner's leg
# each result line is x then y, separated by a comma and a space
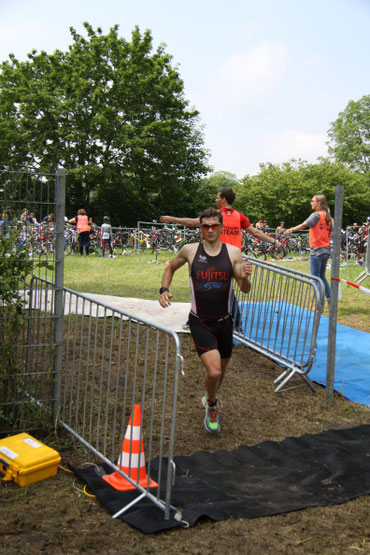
215, 372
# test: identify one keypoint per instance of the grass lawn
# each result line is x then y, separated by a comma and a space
129, 276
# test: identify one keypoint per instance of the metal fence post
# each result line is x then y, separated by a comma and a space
59, 283
330, 365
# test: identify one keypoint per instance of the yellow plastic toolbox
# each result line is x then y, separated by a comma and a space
26, 460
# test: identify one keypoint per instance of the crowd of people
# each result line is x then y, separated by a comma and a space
84, 227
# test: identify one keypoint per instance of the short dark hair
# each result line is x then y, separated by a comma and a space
210, 213
227, 194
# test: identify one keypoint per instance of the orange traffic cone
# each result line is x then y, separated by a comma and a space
132, 459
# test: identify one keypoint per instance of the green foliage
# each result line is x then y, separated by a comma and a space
283, 192
14, 268
113, 113
209, 186
350, 135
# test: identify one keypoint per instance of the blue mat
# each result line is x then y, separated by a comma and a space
352, 362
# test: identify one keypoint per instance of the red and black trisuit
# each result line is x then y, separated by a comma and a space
210, 321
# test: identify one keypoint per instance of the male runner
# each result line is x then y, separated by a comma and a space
212, 267
233, 223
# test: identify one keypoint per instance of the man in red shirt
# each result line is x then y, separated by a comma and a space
234, 221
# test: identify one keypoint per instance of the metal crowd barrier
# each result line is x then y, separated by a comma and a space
280, 318
111, 361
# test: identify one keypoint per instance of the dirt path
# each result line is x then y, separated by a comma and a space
55, 516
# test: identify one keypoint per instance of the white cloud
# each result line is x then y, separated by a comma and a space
280, 147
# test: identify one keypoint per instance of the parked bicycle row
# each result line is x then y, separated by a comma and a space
171, 238
38, 239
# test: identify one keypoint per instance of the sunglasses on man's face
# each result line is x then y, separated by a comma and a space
207, 227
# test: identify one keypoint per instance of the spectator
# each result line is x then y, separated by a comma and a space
26, 217
280, 228
106, 236
49, 219
259, 224
83, 230
4, 224
362, 242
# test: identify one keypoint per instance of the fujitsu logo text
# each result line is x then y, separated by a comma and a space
211, 275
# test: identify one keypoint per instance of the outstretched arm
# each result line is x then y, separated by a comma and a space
296, 228
262, 236
189, 222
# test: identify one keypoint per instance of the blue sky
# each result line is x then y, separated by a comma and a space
267, 77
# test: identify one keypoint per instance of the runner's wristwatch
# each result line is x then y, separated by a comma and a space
163, 289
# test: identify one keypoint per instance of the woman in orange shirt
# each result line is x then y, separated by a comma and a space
320, 226
83, 230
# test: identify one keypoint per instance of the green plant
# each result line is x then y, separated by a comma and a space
15, 266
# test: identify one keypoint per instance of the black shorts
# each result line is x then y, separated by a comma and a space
210, 334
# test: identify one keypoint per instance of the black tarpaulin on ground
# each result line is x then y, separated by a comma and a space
262, 480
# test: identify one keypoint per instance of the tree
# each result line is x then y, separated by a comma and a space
209, 186
350, 135
284, 192
113, 113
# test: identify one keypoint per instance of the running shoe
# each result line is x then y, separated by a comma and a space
205, 402
212, 418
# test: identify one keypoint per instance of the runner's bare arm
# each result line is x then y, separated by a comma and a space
189, 222
180, 259
242, 269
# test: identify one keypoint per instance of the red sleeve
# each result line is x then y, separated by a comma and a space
244, 222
